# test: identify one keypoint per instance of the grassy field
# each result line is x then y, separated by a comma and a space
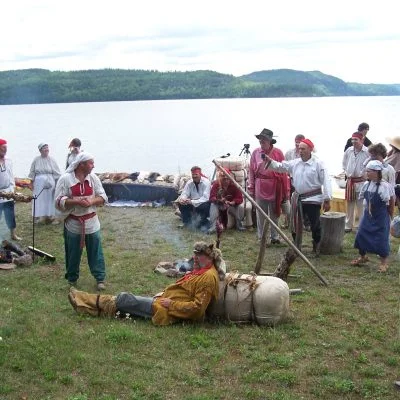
341, 341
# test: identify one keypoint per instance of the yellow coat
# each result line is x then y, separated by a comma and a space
190, 298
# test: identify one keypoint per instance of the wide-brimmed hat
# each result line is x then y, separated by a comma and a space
266, 134
394, 141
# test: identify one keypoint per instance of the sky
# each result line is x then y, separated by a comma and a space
357, 41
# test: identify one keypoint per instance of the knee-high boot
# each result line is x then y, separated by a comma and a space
93, 304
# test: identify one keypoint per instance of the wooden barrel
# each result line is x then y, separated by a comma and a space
332, 225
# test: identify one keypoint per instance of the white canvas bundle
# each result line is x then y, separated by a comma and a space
239, 175
238, 301
246, 298
233, 163
271, 301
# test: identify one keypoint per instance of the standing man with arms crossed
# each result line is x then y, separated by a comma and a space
312, 188
78, 194
353, 166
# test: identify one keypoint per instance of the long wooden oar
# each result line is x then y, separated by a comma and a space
284, 237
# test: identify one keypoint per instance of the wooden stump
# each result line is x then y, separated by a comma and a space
332, 225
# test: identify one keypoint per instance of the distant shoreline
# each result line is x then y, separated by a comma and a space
40, 86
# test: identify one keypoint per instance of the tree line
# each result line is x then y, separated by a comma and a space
33, 86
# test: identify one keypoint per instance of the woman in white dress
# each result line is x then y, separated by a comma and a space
44, 174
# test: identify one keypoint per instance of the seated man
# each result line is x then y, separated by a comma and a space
225, 198
194, 202
186, 299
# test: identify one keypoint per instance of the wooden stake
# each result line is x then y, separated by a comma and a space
284, 237
261, 253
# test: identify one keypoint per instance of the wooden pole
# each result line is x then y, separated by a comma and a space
284, 237
261, 253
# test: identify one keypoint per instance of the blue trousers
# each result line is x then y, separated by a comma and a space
73, 254
136, 305
7, 208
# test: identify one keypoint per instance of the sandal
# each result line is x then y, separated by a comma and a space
383, 268
359, 261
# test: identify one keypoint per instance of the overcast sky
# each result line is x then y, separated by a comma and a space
357, 41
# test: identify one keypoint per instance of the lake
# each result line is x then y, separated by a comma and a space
170, 136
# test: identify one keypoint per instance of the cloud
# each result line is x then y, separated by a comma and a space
352, 40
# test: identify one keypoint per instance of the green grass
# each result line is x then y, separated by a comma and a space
340, 342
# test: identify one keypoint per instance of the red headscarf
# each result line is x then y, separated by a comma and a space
3, 141
358, 135
197, 171
308, 142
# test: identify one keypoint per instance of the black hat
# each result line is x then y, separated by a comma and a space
266, 134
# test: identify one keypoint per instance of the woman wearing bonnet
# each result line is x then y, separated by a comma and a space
44, 173
373, 233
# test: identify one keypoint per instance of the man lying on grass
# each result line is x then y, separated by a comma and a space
186, 299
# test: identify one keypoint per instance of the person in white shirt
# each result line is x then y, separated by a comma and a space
74, 149
353, 166
44, 173
78, 194
378, 152
7, 185
312, 189
289, 156
294, 153
194, 202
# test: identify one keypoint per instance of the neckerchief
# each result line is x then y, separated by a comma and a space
195, 272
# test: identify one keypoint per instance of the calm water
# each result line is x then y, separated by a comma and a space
171, 136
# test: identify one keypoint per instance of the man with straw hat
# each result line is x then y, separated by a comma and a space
78, 194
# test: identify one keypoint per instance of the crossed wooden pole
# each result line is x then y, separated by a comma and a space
266, 216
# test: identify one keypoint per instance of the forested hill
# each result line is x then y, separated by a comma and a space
43, 86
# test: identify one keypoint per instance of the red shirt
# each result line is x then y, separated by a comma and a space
231, 193
263, 182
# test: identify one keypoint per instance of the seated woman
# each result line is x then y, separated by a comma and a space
186, 299
225, 198
373, 232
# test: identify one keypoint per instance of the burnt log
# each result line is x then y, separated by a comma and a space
283, 269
